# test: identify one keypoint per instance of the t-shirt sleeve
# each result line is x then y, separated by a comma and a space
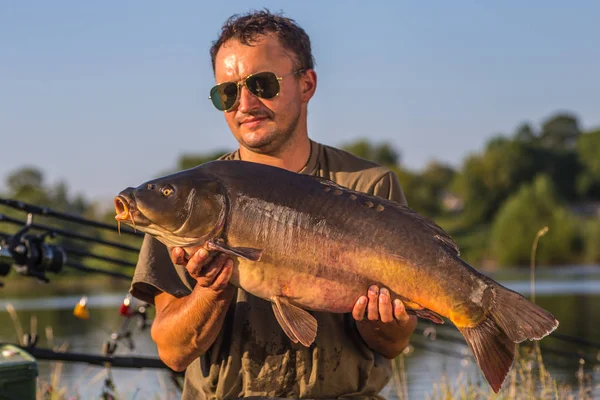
389, 188
155, 273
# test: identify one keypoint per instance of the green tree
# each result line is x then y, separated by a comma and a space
486, 180
588, 151
27, 184
525, 133
383, 153
187, 161
534, 206
438, 175
424, 190
560, 131
588, 148
591, 229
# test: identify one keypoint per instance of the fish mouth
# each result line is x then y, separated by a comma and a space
122, 209
127, 212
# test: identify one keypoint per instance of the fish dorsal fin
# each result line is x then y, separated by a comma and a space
244, 252
436, 230
297, 323
329, 182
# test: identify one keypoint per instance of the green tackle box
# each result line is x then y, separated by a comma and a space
18, 374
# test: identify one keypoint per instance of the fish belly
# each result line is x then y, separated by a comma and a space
300, 286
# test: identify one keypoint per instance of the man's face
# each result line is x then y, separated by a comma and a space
262, 125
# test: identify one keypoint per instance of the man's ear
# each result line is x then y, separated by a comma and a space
308, 84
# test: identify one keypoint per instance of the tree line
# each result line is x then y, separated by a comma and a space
492, 204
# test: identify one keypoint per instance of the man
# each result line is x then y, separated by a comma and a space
229, 340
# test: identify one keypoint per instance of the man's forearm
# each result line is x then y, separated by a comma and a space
186, 327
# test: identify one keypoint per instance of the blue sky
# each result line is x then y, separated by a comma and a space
105, 95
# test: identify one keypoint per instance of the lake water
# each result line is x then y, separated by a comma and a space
572, 294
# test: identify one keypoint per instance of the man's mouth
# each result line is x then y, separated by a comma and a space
252, 122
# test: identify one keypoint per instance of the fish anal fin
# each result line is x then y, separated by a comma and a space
420, 311
244, 252
427, 314
493, 350
297, 323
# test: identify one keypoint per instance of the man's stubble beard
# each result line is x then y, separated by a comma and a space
276, 142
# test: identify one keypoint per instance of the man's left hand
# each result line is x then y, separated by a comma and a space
377, 306
384, 325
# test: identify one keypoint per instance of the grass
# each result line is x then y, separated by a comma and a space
528, 379
53, 387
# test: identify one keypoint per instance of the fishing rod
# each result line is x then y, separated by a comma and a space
577, 340
83, 268
45, 211
102, 360
86, 254
65, 233
430, 333
449, 328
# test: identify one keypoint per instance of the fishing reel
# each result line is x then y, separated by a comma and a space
29, 255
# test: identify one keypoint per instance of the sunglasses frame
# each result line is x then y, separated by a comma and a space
242, 82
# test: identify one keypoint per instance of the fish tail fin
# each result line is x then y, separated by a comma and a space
519, 318
511, 319
493, 350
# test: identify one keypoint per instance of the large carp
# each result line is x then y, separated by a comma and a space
306, 243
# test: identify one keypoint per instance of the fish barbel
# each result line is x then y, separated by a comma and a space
307, 243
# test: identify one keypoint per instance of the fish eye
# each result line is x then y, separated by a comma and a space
167, 191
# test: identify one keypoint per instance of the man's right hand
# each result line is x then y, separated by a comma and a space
186, 327
214, 274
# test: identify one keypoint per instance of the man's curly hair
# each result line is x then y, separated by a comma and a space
248, 27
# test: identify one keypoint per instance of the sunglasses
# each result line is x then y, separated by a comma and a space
264, 85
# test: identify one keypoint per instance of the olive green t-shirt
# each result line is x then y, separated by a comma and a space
252, 356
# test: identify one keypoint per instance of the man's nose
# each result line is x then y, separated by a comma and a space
248, 101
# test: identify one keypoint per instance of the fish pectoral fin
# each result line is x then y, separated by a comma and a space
244, 252
427, 314
297, 323
283, 323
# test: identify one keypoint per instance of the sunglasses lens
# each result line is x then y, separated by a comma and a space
223, 96
264, 85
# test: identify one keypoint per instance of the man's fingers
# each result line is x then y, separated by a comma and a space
224, 276
178, 256
196, 263
385, 306
400, 312
358, 312
213, 269
372, 307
